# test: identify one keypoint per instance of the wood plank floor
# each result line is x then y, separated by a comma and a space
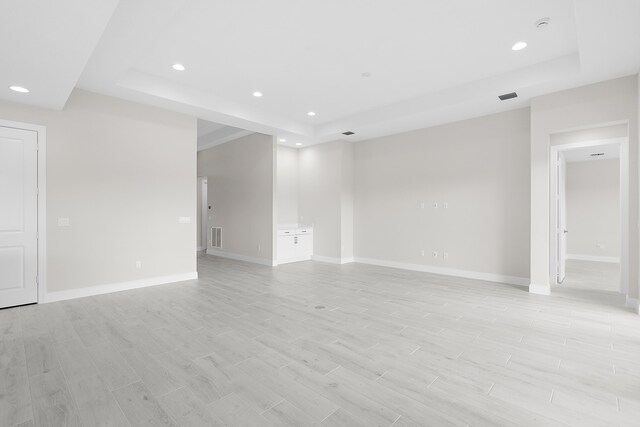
324, 345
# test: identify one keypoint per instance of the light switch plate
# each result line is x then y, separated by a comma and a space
184, 220
63, 222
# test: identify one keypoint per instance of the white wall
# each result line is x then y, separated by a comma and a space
480, 167
123, 174
325, 194
593, 208
347, 198
241, 190
287, 185
613, 101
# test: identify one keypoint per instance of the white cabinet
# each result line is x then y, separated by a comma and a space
295, 244
286, 248
304, 245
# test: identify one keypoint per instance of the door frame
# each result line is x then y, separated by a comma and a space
41, 132
623, 142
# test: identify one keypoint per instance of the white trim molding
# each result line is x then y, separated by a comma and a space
290, 260
238, 257
332, 260
596, 258
488, 277
539, 289
118, 287
634, 304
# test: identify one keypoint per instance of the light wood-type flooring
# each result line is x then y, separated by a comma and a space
313, 344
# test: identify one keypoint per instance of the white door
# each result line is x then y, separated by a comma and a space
561, 217
204, 216
18, 217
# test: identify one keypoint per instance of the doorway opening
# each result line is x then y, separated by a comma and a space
590, 218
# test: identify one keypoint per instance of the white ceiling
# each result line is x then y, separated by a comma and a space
211, 134
430, 62
609, 152
45, 45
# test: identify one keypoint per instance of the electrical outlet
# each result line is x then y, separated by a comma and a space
422, 252
138, 264
259, 248
599, 246
445, 255
445, 205
421, 205
435, 254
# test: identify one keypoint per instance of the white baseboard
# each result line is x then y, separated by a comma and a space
489, 277
117, 287
332, 260
634, 304
539, 289
239, 257
597, 258
290, 260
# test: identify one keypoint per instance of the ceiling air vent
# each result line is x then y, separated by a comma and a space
348, 133
596, 154
508, 96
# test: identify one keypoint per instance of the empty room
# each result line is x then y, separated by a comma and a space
336, 213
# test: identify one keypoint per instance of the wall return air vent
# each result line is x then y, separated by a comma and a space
216, 237
508, 96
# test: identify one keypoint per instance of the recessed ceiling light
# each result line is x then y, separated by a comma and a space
178, 67
257, 94
519, 46
19, 89
298, 143
311, 114
283, 140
